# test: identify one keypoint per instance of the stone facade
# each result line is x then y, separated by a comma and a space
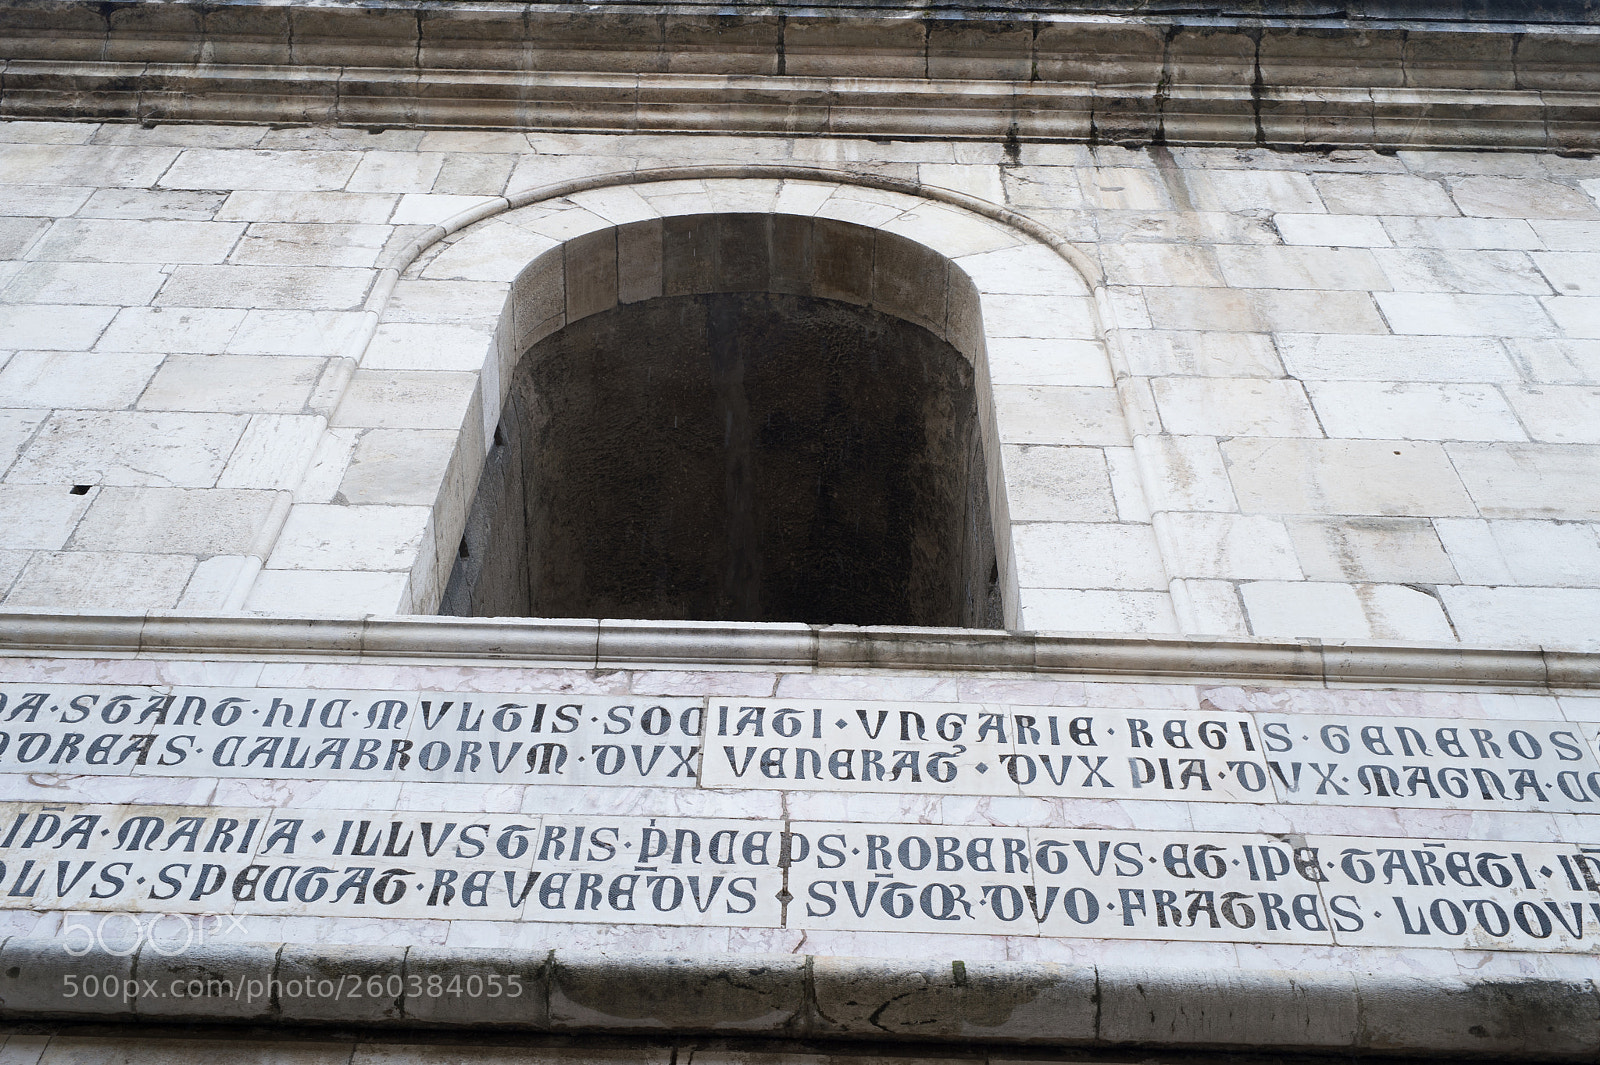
1339, 395
1282, 336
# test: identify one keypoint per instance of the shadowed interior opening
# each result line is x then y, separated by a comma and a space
744, 456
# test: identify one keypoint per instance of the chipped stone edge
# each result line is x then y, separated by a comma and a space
808, 997
619, 644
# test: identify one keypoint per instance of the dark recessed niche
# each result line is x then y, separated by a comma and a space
735, 457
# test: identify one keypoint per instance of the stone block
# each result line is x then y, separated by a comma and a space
910, 282
16, 429
1218, 406
84, 165
305, 244
261, 170
1026, 414
952, 232
406, 399
1577, 316
460, 302
1253, 190
53, 328
1384, 194
398, 466
1331, 611
1048, 317
641, 992
1487, 272
1209, 608
473, 175
1185, 473
232, 383
151, 204
99, 582
1184, 353
220, 583
1151, 1006
1369, 477
963, 1000
1095, 611
1430, 314
306, 206
192, 521
113, 240
129, 448
222, 974
315, 971
1376, 410
1112, 188
1571, 273
1556, 234
1552, 414
1087, 555
490, 251
321, 537
1397, 550
42, 515
1127, 484
1332, 231
1568, 618
1547, 554
43, 201
430, 346
284, 287
521, 975
1161, 264
1520, 197
1321, 356
1263, 310
120, 284
1035, 361
1248, 266
841, 262
1506, 1016
273, 452
1230, 546
1530, 480
1044, 483
329, 593
391, 171
639, 262
77, 380
168, 330
1489, 233
32, 984
590, 269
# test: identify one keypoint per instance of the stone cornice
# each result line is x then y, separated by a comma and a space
1009, 69
806, 997
606, 644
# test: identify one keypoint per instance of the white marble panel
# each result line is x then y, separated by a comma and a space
1430, 763
983, 749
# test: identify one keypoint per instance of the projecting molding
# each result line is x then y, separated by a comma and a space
1200, 79
606, 644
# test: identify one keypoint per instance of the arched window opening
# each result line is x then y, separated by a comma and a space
736, 456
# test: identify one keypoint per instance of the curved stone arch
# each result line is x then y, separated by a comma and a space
477, 293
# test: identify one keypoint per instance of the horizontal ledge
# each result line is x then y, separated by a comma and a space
1219, 112
814, 997
611, 644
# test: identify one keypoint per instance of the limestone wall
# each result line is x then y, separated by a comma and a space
1343, 395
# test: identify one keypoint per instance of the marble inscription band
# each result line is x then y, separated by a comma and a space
868, 746
1057, 882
